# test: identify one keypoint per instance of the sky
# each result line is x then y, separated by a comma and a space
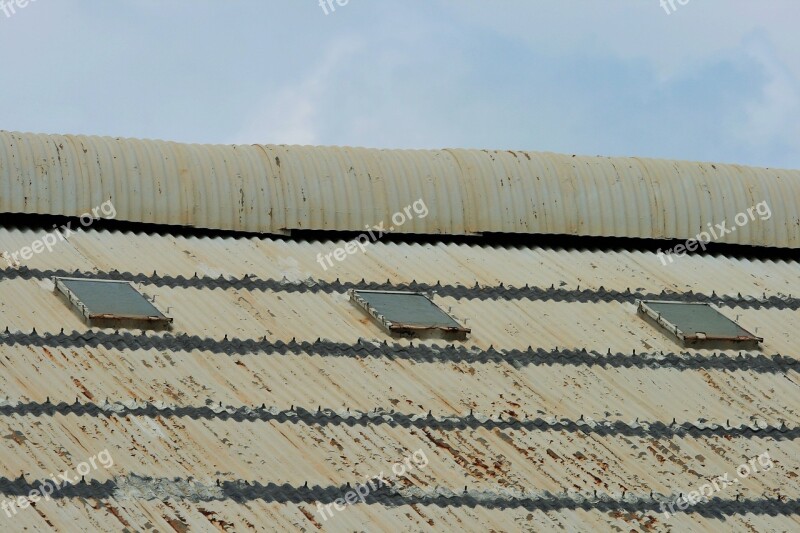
711, 80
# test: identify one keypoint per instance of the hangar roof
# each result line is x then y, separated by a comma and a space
279, 189
272, 393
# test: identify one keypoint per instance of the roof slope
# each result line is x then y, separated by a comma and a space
272, 376
274, 189
274, 396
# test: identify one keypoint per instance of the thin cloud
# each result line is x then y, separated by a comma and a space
292, 114
777, 110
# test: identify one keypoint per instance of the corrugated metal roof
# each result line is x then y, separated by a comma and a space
185, 407
271, 189
118, 513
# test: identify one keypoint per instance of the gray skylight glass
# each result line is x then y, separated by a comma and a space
105, 303
406, 313
696, 323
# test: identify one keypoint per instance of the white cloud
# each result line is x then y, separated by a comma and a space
639, 29
716, 80
775, 115
292, 113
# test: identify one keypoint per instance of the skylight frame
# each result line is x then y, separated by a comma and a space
396, 328
157, 321
743, 338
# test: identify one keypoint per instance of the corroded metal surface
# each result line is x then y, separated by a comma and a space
259, 382
272, 189
172, 514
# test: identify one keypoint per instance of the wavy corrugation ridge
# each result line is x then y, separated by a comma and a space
330, 417
772, 364
241, 491
475, 292
275, 188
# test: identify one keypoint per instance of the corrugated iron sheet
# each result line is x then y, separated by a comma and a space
171, 514
217, 313
727, 390
330, 455
271, 189
507, 324
296, 260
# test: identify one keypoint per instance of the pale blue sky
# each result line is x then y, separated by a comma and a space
715, 80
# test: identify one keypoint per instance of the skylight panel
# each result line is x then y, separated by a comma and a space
111, 304
408, 313
696, 324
